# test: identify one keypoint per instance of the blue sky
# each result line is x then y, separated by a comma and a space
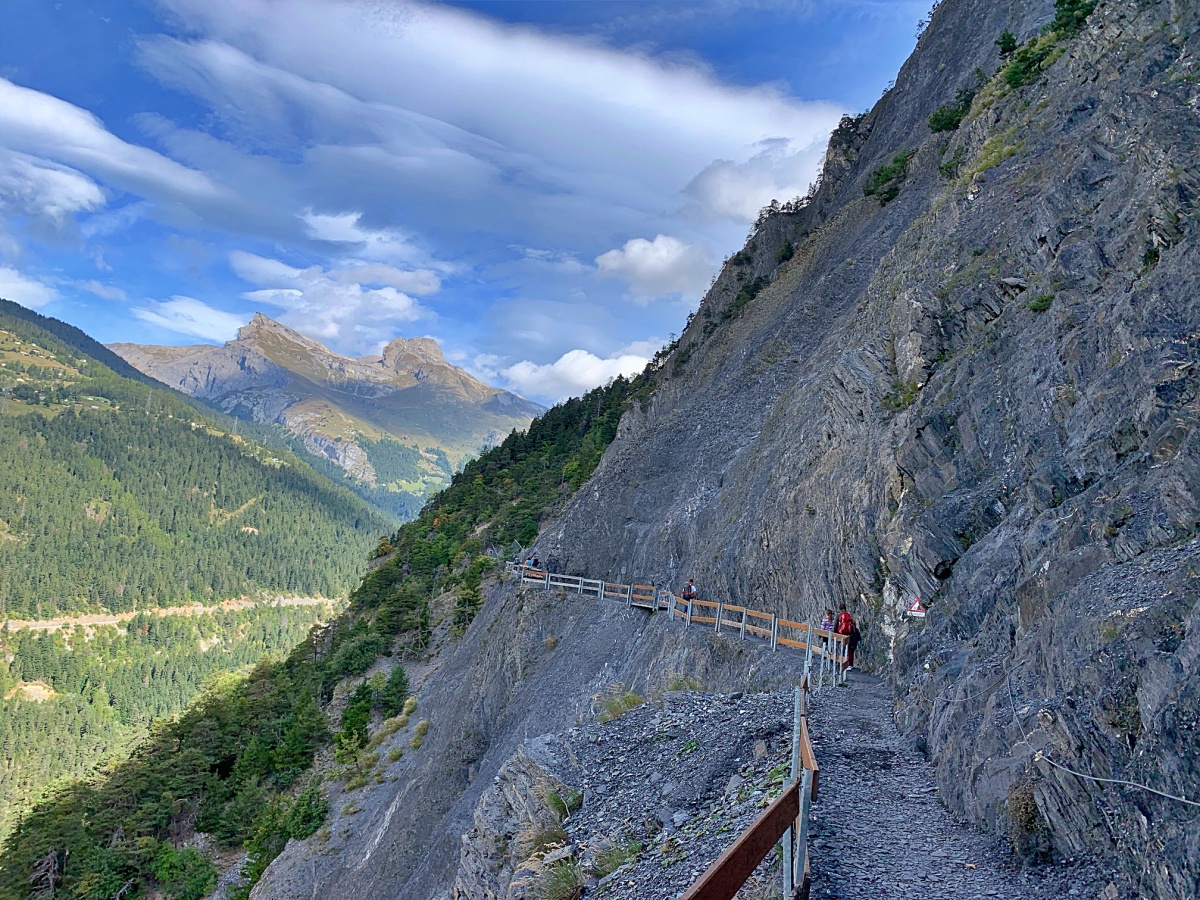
547, 188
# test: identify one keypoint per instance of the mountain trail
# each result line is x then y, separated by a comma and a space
880, 830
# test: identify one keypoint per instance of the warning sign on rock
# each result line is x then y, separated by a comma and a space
916, 609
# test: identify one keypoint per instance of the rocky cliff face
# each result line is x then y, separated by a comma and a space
531, 663
982, 394
410, 393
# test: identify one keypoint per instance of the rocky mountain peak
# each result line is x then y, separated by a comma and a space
262, 326
403, 354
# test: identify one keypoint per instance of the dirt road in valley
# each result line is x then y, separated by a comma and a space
93, 620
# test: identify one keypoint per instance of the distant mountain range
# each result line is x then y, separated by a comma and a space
402, 421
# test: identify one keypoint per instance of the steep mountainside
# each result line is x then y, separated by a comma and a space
236, 770
402, 420
971, 379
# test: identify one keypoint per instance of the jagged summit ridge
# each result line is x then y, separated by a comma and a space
340, 405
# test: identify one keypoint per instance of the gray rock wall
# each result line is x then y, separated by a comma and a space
531, 663
982, 394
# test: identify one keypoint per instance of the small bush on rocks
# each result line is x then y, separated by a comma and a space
885, 182
619, 854
613, 707
539, 841
1028, 831
562, 881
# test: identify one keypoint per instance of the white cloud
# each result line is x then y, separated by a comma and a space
659, 268
737, 191
187, 315
475, 121
104, 291
572, 374
388, 245
35, 123
417, 281
38, 187
19, 288
333, 305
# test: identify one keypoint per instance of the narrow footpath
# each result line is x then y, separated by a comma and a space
880, 830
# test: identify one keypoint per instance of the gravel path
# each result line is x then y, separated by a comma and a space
879, 829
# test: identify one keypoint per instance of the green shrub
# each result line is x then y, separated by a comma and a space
562, 805
902, 396
949, 116
394, 692
745, 294
611, 859
785, 252
184, 874
613, 707
1071, 15
1027, 828
563, 880
1040, 303
741, 258
1007, 43
307, 814
885, 181
1027, 62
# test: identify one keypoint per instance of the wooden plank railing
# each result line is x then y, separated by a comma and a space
827, 647
785, 819
787, 816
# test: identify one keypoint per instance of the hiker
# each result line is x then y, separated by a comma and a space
689, 591
537, 563
827, 622
847, 626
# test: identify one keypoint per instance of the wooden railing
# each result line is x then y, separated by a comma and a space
786, 818
827, 648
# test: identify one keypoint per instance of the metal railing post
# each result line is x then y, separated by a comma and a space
720, 609
688, 621
801, 855
789, 836
774, 632
824, 653
629, 595
743, 623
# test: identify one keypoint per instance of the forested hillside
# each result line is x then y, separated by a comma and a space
235, 764
70, 700
118, 495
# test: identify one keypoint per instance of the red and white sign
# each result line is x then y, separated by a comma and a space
916, 609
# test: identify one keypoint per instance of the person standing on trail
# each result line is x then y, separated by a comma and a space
847, 626
689, 591
827, 622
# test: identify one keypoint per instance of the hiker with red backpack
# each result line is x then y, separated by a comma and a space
847, 626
